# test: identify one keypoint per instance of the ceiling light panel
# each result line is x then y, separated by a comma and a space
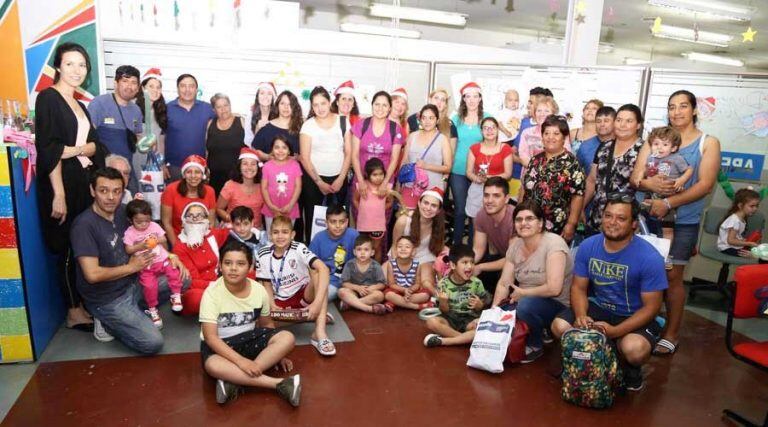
416, 14
711, 8
692, 36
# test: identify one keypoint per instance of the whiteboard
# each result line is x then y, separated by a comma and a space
237, 72
571, 86
731, 107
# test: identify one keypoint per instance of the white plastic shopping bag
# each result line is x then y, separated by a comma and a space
492, 336
318, 220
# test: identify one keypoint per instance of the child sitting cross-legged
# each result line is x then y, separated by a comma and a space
239, 340
284, 270
461, 299
363, 281
404, 278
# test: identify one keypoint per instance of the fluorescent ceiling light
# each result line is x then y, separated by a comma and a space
695, 56
349, 27
636, 61
415, 14
689, 35
715, 9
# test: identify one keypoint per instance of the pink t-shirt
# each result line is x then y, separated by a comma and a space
281, 183
233, 192
133, 236
371, 212
377, 146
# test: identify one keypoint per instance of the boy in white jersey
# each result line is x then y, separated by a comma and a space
284, 270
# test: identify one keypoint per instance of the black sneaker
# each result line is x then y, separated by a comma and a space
433, 340
546, 336
633, 378
290, 390
531, 354
226, 392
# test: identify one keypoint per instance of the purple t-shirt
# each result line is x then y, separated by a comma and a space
376, 146
281, 184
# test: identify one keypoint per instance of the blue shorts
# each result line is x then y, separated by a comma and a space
683, 243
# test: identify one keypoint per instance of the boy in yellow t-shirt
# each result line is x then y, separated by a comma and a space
239, 341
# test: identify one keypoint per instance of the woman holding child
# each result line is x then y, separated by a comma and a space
539, 262
702, 152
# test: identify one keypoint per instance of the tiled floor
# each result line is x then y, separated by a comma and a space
386, 377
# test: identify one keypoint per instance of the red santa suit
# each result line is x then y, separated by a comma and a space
203, 264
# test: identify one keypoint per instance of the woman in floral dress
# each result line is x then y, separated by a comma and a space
555, 180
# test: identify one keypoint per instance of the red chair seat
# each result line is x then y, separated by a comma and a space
755, 351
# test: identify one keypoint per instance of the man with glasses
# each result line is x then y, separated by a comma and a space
117, 119
627, 278
494, 228
106, 275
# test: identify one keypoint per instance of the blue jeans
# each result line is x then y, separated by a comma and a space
538, 313
459, 188
124, 320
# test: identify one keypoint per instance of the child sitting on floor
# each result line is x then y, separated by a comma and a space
363, 281
461, 299
404, 278
146, 235
239, 340
372, 208
283, 269
730, 238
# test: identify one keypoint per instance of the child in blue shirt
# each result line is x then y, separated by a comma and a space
335, 245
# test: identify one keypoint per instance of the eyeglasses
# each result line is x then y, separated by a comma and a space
620, 196
489, 127
196, 217
528, 219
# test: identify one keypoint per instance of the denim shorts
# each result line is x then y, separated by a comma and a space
683, 243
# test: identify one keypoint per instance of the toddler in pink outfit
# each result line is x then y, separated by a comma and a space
142, 235
372, 207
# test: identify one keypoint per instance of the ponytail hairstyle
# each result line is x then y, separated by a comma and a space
742, 197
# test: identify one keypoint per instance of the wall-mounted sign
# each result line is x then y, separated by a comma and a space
742, 165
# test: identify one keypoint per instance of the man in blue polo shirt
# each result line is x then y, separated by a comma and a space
114, 114
628, 279
187, 121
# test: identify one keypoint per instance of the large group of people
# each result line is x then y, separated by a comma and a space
456, 212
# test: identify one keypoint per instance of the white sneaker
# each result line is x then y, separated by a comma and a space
176, 305
155, 316
100, 333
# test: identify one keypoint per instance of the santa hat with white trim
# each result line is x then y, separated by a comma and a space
345, 88
194, 161
268, 86
399, 92
435, 192
470, 86
153, 73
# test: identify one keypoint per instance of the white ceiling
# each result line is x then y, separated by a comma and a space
626, 25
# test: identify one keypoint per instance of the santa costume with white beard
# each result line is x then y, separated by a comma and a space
198, 248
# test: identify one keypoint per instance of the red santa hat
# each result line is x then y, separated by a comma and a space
153, 73
435, 192
469, 86
194, 161
248, 153
347, 87
400, 92
269, 86
190, 205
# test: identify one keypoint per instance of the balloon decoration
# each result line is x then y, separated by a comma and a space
725, 184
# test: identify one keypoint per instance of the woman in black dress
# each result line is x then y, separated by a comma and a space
223, 141
67, 152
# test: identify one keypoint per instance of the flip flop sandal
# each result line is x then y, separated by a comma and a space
329, 319
379, 309
666, 344
325, 346
429, 313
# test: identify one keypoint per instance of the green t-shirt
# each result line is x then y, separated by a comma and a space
458, 295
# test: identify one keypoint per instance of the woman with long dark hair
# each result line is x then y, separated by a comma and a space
68, 151
344, 102
325, 153
467, 123
157, 122
190, 188
287, 124
702, 152
262, 111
